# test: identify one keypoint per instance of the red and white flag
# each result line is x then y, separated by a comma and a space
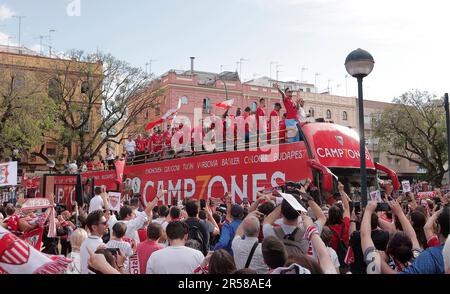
167, 116
225, 104
19, 257
120, 166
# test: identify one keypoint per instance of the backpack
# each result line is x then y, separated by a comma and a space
342, 248
194, 233
294, 241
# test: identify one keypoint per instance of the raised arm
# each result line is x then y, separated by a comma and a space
413, 200
366, 230
149, 209
273, 216
429, 226
227, 199
276, 86
315, 208
105, 199
216, 230
325, 262
406, 225
373, 257
345, 198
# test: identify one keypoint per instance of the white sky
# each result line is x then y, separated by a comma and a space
409, 40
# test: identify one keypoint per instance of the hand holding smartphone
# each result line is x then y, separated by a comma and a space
383, 206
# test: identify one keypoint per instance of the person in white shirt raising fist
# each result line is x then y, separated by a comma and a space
133, 219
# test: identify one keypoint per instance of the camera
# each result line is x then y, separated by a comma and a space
222, 209
291, 187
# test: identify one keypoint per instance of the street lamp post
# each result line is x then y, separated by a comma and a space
359, 63
447, 121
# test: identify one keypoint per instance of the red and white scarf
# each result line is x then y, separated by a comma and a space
32, 204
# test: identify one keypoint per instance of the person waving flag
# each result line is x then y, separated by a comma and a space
167, 116
225, 104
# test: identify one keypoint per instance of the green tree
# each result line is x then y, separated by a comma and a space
98, 97
26, 113
414, 128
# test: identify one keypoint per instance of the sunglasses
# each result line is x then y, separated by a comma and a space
102, 223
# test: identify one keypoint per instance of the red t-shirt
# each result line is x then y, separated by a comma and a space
156, 143
144, 251
259, 113
275, 114
148, 144
167, 138
433, 242
291, 109
337, 229
140, 145
99, 165
90, 165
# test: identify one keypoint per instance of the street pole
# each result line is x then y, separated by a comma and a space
447, 119
362, 144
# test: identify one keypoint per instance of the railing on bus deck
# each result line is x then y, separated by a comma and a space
167, 152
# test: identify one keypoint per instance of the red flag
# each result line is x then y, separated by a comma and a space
167, 116
150, 125
225, 104
120, 166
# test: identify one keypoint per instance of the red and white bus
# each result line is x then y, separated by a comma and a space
326, 153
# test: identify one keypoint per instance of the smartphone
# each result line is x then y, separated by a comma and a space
383, 206
202, 204
357, 207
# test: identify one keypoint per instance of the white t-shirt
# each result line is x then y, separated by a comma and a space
92, 242
75, 266
73, 168
174, 260
110, 156
130, 145
162, 221
241, 251
334, 257
132, 225
96, 203
301, 115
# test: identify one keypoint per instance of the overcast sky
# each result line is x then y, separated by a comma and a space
408, 39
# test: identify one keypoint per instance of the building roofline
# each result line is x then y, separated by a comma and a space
42, 57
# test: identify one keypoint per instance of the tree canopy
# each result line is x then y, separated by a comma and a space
26, 113
414, 128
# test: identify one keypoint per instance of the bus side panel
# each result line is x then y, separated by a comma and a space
240, 173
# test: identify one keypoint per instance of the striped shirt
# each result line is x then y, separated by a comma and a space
125, 247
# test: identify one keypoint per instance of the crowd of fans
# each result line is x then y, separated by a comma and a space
401, 235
